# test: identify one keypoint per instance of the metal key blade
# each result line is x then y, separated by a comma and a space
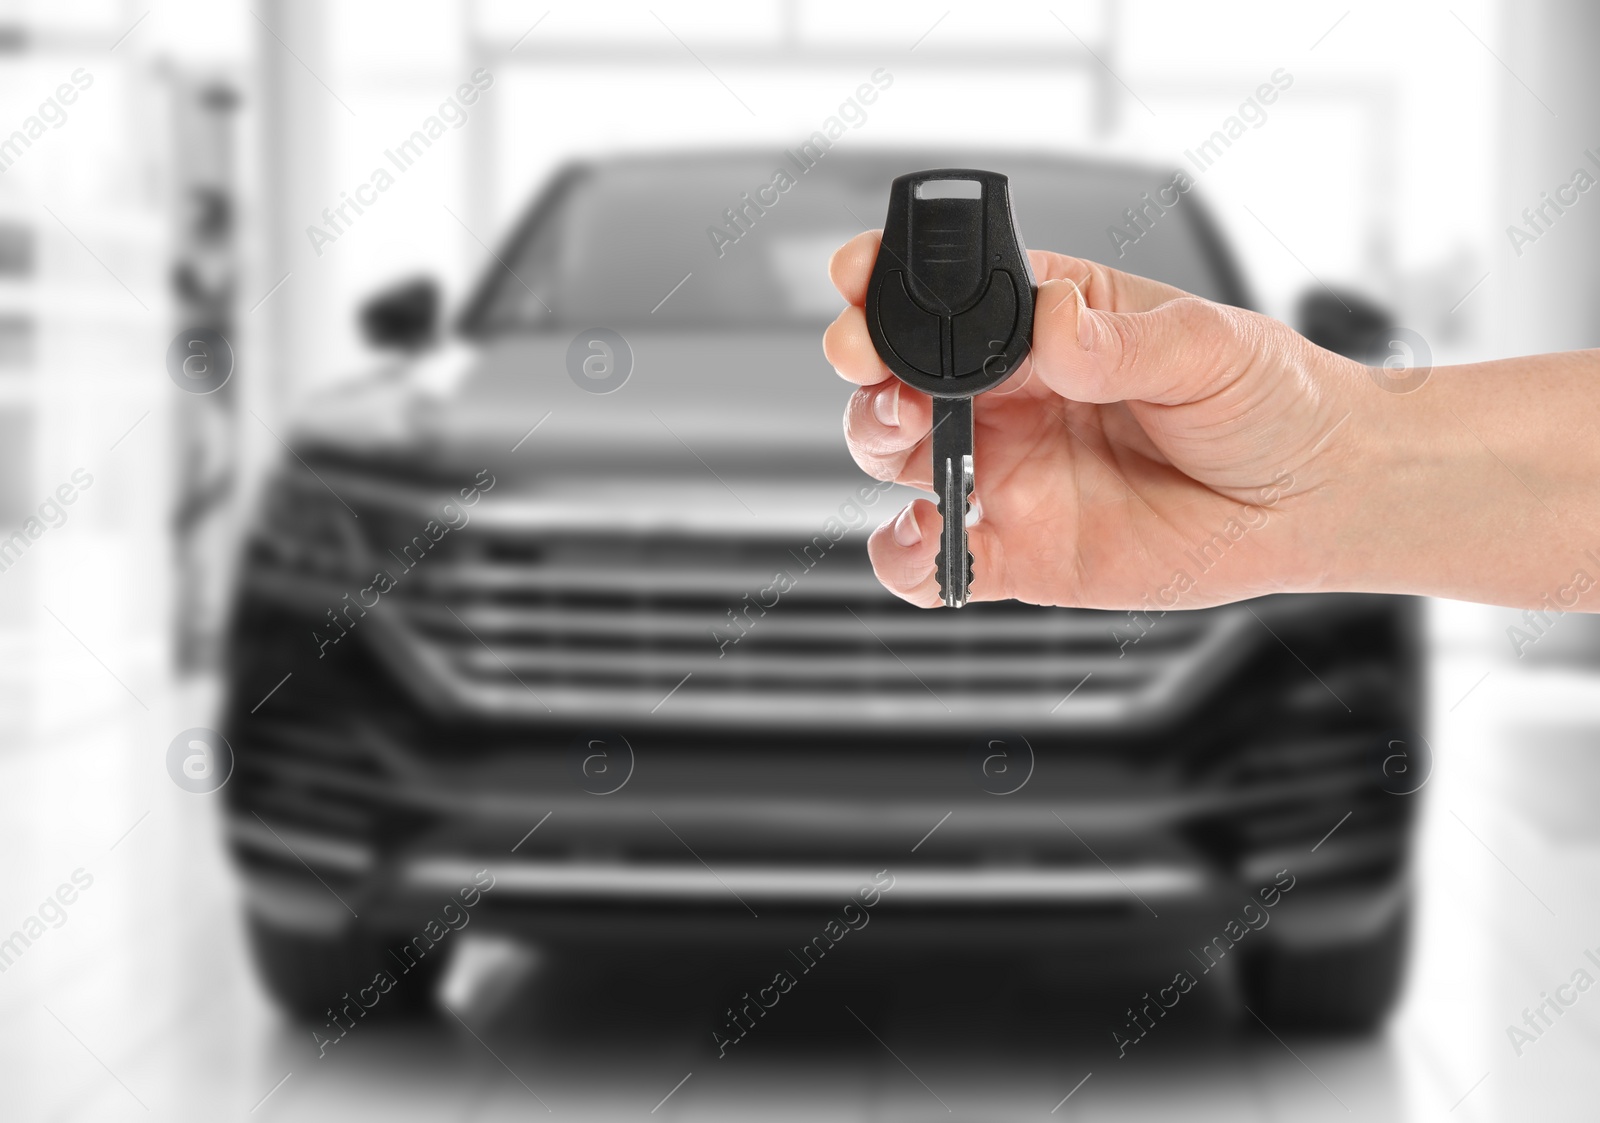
952, 483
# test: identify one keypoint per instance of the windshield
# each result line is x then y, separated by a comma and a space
654, 241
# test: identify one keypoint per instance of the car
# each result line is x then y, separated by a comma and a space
560, 623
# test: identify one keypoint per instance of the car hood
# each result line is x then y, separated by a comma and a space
755, 404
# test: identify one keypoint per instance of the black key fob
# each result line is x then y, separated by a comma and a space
950, 303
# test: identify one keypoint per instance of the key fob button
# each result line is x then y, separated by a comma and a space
913, 330
980, 334
946, 253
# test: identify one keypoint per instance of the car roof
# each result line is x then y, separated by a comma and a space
878, 165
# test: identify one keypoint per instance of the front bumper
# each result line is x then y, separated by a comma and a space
358, 801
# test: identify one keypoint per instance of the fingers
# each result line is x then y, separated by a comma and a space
1103, 287
849, 348
1179, 351
851, 265
885, 426
904, 549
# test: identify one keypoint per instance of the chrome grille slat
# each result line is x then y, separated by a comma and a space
722, 583
910, 707
686, 882
753, 662
1057, 627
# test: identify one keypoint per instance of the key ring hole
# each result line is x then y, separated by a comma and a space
949, 189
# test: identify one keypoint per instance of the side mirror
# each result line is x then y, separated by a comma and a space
1345, 323
404, 317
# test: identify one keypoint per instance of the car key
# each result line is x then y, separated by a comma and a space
950, 311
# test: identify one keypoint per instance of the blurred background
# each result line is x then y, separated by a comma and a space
181, 319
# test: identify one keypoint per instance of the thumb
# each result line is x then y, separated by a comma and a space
1180, 351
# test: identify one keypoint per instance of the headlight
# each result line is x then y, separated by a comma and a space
303, 526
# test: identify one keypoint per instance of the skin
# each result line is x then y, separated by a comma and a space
1160, 450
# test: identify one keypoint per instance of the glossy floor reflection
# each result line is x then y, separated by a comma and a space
139, 1003
989, 1043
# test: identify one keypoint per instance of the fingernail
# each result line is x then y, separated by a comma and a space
974, 511
886, 406
906, 531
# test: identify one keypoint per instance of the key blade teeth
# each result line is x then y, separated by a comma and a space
951, 591
955, 581
953, 487
954, 588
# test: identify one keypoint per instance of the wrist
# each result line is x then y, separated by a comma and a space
1388, 463
1455, 489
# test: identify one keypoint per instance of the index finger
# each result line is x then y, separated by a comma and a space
1107, 289
850, 268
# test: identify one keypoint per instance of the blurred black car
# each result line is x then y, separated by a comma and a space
591, 611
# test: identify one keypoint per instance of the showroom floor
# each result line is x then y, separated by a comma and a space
137, 1002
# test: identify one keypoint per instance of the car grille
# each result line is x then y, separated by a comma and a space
524, 615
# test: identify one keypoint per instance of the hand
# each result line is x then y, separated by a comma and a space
1155, 450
